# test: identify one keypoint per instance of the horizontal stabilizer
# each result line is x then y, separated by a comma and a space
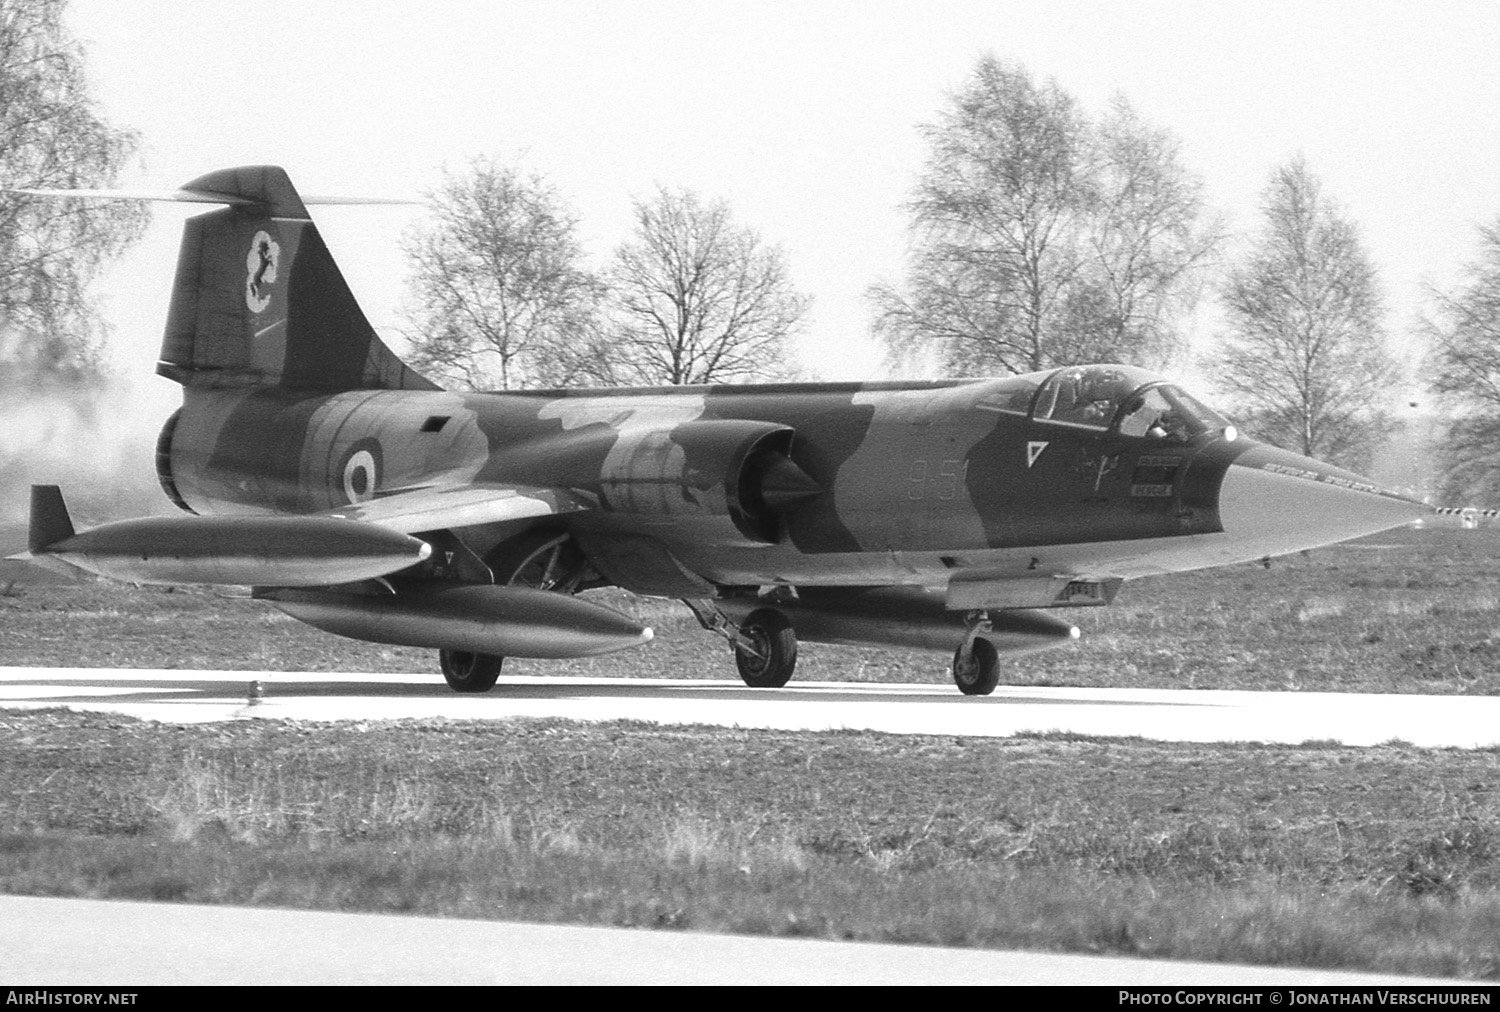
206, 197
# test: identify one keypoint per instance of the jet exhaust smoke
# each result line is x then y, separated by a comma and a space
97, 442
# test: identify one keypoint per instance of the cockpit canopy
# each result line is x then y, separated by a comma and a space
1122, 398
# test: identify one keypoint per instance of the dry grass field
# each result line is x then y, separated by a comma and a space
1380, 859
1384, 858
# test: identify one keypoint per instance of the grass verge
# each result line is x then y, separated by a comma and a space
1315, 855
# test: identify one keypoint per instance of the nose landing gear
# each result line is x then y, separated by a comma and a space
976, 663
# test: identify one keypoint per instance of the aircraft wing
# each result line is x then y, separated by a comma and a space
430, 509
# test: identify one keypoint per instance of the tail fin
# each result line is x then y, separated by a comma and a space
50, 522
258, 300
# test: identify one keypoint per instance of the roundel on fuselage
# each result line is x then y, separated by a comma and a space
360, 471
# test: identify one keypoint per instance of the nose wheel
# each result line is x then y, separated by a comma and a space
976, 667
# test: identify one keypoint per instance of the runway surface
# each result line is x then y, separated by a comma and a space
119, 944
1158, 714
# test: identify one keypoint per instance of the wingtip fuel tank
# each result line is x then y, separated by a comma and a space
281, 550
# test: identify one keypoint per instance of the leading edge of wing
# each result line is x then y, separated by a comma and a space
431, 509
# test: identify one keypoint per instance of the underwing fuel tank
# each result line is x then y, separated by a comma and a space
904, 617
481, 618
283, 550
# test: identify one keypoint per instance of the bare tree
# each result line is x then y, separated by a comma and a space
699, 299
53, 137
1463, 369
1042, 238
1147, 238
498, 294
994, 221
1305, 356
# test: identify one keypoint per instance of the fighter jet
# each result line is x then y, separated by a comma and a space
965, 516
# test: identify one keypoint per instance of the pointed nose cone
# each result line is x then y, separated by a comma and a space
1274, 502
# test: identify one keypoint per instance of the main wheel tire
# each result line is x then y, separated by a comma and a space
979, 673
773, 655
470, 672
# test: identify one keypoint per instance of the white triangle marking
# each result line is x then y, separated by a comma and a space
1033, 451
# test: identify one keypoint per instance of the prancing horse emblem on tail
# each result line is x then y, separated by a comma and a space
260, 266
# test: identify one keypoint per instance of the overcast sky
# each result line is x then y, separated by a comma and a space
802, 115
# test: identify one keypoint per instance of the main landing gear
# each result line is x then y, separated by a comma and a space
766, 650
546, 561
470, 672
764, 644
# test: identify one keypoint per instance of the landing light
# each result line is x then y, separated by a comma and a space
1231, 433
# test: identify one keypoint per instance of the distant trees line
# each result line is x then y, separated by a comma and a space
1040, 235
1463, 370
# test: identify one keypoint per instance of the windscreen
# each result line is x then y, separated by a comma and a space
1168, 413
